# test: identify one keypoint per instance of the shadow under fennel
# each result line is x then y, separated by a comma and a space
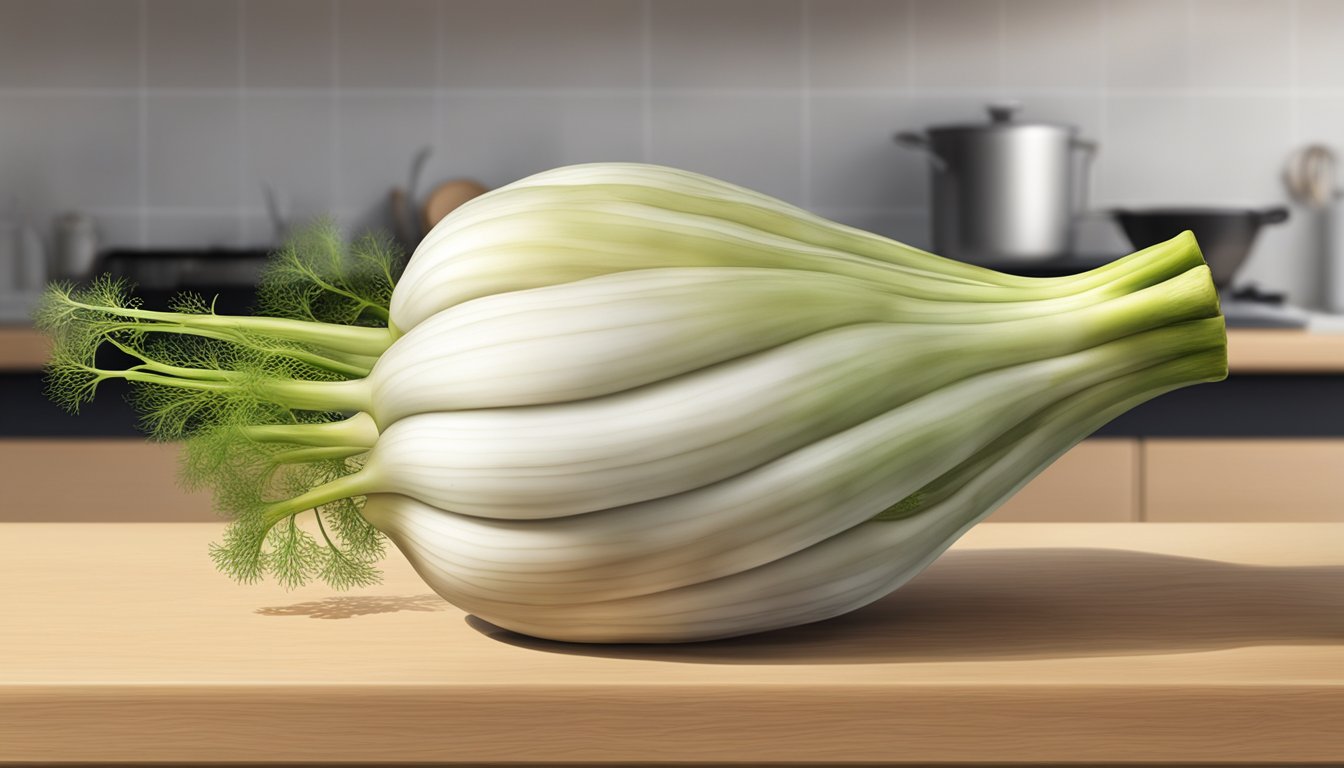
350, 606
1005, 604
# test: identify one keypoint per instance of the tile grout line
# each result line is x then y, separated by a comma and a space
805, 116
944, 92
439, 103
1002, 62
142, 150
646, 81
1096, 176
1192, 107
334, 92
908, 39
1294, 72
243, 148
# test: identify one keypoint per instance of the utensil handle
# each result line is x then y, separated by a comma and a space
1276, 215
920, 142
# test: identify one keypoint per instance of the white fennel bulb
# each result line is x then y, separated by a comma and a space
626, 403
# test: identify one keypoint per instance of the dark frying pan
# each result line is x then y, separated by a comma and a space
1225, 235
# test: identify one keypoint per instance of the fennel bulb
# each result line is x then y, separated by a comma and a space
626, 403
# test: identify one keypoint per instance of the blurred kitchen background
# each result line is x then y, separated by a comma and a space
180, 137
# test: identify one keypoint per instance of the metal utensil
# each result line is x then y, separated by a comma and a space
1312, 179
76, 239
1225, 235
401, 201
277, 209
1005, 190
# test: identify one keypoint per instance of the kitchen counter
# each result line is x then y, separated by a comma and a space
1250, 350
22, 349
1156, 643
1256, 350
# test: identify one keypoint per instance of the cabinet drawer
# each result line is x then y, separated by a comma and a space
1259, 480
1095, 482
91, 481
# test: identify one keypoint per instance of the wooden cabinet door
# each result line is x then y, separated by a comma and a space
1246, 480
91, 480
1095, 482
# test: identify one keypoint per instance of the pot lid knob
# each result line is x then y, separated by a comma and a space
1004, 111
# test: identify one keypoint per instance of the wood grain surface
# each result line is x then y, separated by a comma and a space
1034, 642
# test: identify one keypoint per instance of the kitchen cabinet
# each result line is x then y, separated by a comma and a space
22, 349
1262, 480
96, 480
1096, 481
1023, 644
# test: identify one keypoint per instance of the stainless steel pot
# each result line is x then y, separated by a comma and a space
1005, 190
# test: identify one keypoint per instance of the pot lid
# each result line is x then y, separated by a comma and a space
1002, 117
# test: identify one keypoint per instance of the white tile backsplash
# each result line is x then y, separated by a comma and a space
1320, 57
69, 43
856, 164
113, 230
858, 43
289, 43
1147, 155
387, 43
165, 118
69, 151
1053, 43
500, 137
1147, 43
1241, 43
957, 43
754, 140
197, 157
193, 43
289, 142
578, 43
726, 43
1321, 121
1242, 141
377, 137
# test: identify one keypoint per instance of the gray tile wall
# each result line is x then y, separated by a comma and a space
164, 118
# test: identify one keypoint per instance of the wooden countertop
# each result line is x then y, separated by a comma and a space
1026, 642
1250, 350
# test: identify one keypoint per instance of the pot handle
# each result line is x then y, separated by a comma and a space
1087, 149
920, 142
1276, 215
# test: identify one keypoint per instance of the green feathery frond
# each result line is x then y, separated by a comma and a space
349, 547
208, 380
316, 277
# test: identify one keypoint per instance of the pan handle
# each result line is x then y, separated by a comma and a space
1276, 215
920, 143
